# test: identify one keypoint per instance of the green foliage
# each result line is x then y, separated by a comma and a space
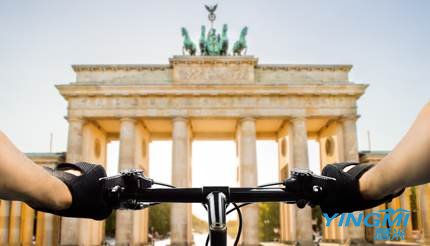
317, 215
232, 226
268, 221
159, 219
200, 226
414, 208
110, 224
413, 199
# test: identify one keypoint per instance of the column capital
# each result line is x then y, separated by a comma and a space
297, 119
247, 119
350, 117
127, 119
180, 118
77, 119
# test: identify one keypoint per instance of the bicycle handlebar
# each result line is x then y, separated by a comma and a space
132, 190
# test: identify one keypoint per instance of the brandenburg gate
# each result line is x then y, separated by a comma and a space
213, 96
207, 98
210, 98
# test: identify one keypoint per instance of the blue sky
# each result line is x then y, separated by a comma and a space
387, 41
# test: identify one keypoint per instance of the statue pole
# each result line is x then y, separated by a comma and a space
211, 16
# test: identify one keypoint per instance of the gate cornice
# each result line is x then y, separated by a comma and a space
335, 89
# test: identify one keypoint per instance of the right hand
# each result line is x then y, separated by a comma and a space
345, 195
86, 190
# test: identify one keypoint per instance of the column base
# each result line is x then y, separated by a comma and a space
134, 244
401, 243
181, 244
299, 243
336, 242
424, 242
360, 242
331, 242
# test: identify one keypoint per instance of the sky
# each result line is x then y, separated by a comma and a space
387, 42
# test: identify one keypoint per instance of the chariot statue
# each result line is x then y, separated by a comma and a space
213, 43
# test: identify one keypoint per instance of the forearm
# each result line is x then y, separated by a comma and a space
21, 179
407, 165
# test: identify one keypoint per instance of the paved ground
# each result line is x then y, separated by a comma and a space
199, 240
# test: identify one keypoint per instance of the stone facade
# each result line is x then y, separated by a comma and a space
231, 98
210, 98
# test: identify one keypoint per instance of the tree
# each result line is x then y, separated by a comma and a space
268, 221
159, 219
110, 225
200, 226
232, 227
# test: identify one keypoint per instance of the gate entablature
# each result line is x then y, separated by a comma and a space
211, 70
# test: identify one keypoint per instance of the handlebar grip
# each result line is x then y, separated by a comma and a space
322, 182
118, 188
311, 187
108, 183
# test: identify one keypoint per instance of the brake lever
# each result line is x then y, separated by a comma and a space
118, 188
310, 186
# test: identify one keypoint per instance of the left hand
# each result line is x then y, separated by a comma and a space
87, 193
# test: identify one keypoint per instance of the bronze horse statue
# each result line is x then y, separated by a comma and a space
240, 45
188, 45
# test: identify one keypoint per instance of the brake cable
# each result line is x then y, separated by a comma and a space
239, 213
239, 230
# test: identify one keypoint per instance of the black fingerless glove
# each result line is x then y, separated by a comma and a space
345, 195
86, 191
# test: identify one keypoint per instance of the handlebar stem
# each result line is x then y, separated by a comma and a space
217, 218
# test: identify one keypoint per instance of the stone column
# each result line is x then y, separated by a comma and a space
4, 221
298, 157
424, 200
39, 228
356, 233
406, 204
330, 139
181, 177
143, 140
74, 144
69, 226
15, 223
46, 231
124, 218
283, 174
27, 224
91, 232
246, 140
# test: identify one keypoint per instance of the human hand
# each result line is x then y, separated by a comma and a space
345, 195
86, 191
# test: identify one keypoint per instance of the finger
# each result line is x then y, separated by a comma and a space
301, 203
329, 170
74, 172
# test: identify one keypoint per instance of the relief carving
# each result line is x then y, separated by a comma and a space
213, 74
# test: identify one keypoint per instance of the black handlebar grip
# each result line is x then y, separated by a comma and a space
310, 187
